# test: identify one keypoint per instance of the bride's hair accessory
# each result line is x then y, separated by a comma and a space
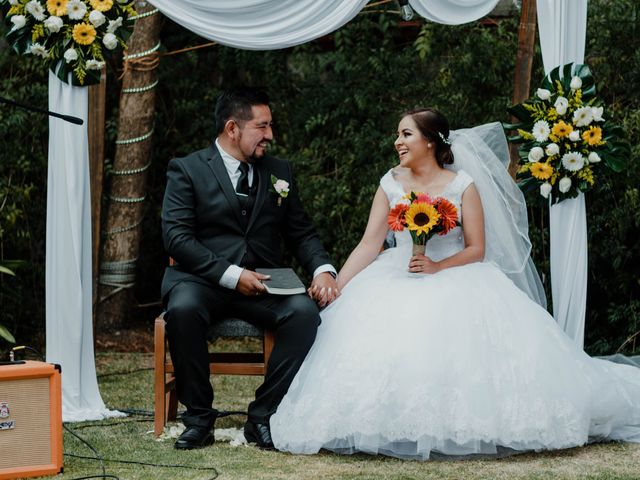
444, 140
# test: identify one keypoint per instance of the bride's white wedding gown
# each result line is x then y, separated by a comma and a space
459, 362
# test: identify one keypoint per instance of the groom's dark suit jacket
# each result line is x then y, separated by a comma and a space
204, 229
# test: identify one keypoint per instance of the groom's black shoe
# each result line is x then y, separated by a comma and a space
258, 433
194, 437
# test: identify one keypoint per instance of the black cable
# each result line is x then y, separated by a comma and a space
99, 457
27, 347
113, 424
148, 464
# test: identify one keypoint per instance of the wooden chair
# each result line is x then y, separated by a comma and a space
246, 363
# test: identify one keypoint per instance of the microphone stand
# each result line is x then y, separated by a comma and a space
67, 118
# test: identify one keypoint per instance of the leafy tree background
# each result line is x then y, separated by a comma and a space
336, 103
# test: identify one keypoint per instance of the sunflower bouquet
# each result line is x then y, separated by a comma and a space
70, 36
424, 217
565, 135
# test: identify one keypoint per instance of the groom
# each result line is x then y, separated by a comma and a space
221, 218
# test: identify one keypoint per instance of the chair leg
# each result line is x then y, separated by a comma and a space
159, 405
267, 345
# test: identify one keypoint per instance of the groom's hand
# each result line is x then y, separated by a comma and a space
250, 283
324, 289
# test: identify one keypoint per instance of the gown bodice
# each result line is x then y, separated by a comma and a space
439, 246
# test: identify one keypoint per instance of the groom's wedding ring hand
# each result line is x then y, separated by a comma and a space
324, 290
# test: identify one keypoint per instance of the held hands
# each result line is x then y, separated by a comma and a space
250, 283
324, 289
422, 264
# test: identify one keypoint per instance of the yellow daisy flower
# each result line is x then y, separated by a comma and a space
561, 129
101, 5
84, 34
57, 7
593, 136
541, 171
421, 217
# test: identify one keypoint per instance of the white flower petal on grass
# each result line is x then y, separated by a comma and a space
561, 105
543, 94
545, 189
593, 157
564, 185
97, 18
576, 83
70, 55
40, 50
574, 136
53, 24
552, 149
36, 10
94, 64
573, 161
18, 21
583, 116
113, 25
76, 9
541, 131
110, 41
535, 154
596, 113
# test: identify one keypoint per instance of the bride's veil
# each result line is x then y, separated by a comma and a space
482, 152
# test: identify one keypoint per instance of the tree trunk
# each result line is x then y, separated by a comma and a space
524, 61
125, 203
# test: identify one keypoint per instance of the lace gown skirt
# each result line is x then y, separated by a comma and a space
460, 362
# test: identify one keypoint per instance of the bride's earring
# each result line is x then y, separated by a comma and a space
429, 145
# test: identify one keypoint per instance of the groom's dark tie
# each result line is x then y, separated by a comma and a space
243, 181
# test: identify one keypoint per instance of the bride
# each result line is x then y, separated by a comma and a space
451, 352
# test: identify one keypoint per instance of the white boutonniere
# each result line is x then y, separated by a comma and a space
281, 187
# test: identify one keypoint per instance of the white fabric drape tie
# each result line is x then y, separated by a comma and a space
453, 12
563, 26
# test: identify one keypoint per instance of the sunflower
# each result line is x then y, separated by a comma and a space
561, 129
395, 219
57, 7
593, 136
421, 218
101, 5
84, 34
448, 213
541, 171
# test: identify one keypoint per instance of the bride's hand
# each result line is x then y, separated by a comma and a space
423, 264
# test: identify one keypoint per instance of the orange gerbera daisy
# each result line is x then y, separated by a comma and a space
593, 136
561, 129
448, 215
396, 217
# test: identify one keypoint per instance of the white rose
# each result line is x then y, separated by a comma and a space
543, 94
18, 21
574, 136
282, 187
576, 83
596, 113
94, 64
76, 9
552, 149
13, 2
593, 157
561, 105
97, 18
110, 41
70, 55
545, 189
564, 185
536, 154
114, 25
53, 24
36, 10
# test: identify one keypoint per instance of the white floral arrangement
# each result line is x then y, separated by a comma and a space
281, 187
564, 135
70, 36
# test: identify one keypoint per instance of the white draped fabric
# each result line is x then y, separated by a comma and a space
261, 24
563, 26
453, 12
68, 256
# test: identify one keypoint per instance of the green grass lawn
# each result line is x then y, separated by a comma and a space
131, 439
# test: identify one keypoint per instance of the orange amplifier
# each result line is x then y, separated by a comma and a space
30, 420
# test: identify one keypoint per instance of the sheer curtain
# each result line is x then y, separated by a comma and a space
453, 12
563, 26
